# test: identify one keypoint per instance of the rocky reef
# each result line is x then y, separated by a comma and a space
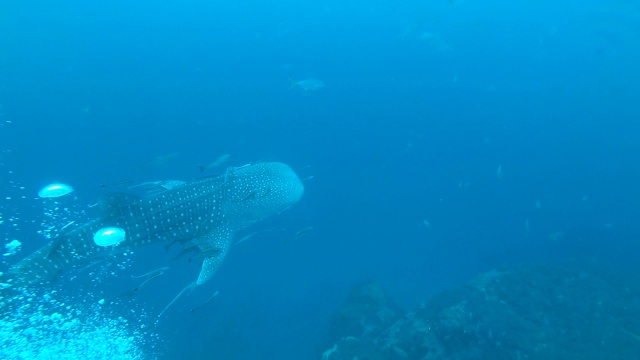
568, 311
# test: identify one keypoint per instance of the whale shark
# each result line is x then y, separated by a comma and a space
204, 213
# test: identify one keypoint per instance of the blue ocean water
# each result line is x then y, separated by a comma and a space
449, 138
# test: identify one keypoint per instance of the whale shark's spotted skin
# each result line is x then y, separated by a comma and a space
205, 213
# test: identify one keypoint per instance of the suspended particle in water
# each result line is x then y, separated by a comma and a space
109, 236
55, 190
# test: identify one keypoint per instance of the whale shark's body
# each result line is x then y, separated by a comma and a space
204, 213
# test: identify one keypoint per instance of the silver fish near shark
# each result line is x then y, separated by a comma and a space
204, 213
217, 162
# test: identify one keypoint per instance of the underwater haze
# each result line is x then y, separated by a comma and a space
469, 165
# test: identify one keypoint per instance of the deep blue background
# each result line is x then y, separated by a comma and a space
461, 113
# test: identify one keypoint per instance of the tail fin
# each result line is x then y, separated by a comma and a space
62, 252
35, 268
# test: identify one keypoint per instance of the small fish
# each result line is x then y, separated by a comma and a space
205, 302
219, 161
128, 293
256, 233
160, 160
122, 182
149, 279
117, 183
186, 251
151, 273
97, 262
246, 237
156, 187
187, 288
306, 85
171, 243
206, 254
301, 233
558, 235
68, 224
256, 194
633, 335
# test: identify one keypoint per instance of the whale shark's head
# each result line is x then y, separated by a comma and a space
257, 191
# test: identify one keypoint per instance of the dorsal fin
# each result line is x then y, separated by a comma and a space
112, 205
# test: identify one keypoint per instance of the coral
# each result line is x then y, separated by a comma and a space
577, 311
366, 313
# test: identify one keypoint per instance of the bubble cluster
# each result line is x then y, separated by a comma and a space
55, 190
45, 324
12, 247
61, 214
41, 327
109, 236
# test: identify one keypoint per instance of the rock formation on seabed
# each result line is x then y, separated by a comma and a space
570, 311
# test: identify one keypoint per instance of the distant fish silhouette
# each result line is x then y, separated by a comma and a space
307, 85
160, 160
300, 233
219, 161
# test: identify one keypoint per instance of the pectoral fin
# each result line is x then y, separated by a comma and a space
214, 247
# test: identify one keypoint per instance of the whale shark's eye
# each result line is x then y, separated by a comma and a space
109, 236
55, 190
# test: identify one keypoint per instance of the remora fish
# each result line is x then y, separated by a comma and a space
205, 213
219, 161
